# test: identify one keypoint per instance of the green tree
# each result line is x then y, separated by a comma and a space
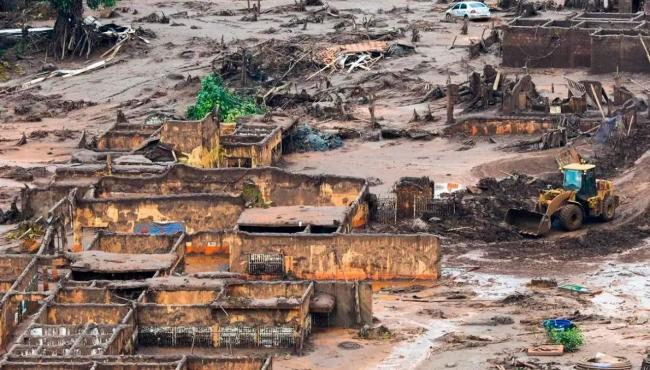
68, 31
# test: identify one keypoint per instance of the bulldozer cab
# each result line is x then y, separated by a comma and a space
581, 178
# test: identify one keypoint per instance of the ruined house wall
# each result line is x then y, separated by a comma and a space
83, 295
262, 290
81, 314
118, 140
261, 154
622, 51
259, 317
36, 202
602, 43
143, 362
22, 271
488, 126
546, 47
11, 266
122, 342
181, 297
241, 363
342, 256
8, 309
186, 136
353, 306
133, 243
143, 366
174, 315
47, 366
277, 186
197, 212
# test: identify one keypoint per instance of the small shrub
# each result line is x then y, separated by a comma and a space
231, 106
571, 339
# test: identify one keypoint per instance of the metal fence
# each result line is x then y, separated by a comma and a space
266, 264
175, 336
387, 209
248, 336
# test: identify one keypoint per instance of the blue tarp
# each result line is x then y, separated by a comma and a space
159, 228
607, 127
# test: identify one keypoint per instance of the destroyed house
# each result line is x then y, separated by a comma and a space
203, 143
604, 42
177, 362
20, 292
251, 146
119, 256
244, 314
90, 324
263, 223
161, 259
125, 137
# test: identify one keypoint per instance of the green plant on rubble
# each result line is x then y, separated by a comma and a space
26, 230
214, 93
253, 196
571, 339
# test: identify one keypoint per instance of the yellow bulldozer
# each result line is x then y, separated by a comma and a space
581, 196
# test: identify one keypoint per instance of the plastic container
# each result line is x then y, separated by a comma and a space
558, 325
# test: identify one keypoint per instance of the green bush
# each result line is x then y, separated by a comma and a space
231, 106
571, 339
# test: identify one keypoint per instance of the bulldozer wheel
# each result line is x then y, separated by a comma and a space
609, 209
571, 217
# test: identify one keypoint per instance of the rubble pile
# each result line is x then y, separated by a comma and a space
268, 63
480, 210
33, 107
307, 139
623, 150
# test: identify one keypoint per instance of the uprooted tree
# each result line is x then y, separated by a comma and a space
70, 36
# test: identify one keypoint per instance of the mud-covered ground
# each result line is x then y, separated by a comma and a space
484, 261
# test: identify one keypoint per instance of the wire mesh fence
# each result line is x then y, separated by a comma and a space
389, 212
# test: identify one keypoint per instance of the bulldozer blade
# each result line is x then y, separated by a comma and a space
527, 222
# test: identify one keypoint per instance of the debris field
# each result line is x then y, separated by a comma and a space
311, 184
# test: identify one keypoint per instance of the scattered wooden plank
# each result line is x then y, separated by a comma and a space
647, 54
546, 350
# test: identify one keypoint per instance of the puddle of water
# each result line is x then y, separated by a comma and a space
626, 287
608, 303
410, 354
487, 286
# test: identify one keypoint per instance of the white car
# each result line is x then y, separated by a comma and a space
469, 10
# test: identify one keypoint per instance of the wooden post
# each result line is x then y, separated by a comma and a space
46, 282
109, 164
243, 67
371, 110
452, 91
593, 89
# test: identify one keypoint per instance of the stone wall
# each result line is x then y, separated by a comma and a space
197, 212
340, 256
